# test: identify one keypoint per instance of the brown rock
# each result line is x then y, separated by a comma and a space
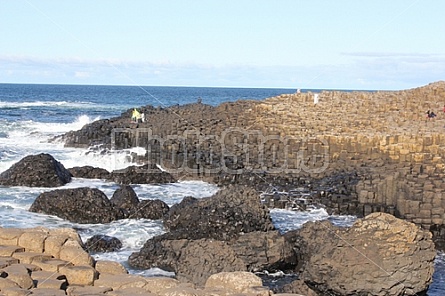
75, 255
80, 291
79, 275
110, 267
238, 282
379, 254
158, 284
10, 236
120, 281
33, 241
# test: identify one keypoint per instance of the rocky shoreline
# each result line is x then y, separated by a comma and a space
360, 153
53, 262
354, 152
229, 232
211, 253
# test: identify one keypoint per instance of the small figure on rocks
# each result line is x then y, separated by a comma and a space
135, 116
430, 114
315, 99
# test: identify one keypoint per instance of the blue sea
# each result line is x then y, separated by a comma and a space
31, 114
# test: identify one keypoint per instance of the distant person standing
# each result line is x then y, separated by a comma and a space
315, 99
430, 114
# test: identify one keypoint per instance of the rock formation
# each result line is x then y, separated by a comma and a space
231, 211
127, 200
40, 170
146, 174
378, 255
53, 262
103, 243
382, 138
79, 205
230, 231
90, 205
89, 172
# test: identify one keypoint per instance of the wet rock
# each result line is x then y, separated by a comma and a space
103, 243
79, 205
146, 174
150, 209
125, 198
195, 260
40, 170
231, 211
89, 172
230, 231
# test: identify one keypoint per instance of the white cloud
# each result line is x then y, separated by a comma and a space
82, 74
359, 71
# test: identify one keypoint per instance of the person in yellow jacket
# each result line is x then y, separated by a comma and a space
135, 116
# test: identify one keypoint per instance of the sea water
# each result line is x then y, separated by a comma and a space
30, 115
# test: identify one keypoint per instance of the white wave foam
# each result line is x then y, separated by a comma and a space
29, 137
287, 220
23, 105
101, 158
59, 128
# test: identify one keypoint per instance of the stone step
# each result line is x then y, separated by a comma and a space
52, 265
8, 251
42, 275
7, 260
47, 292
30, 257
81, 291
79, 275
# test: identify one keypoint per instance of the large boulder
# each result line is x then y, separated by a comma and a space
231, 211
79, 205
89, 172
127, 200
40, 170
193, 261
146, 174
230, 231
378, 255
153, 209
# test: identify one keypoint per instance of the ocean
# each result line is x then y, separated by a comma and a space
32, 114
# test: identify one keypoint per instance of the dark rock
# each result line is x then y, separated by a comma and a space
191, 260
231, 211
79, 205
378, 255
89, 172
438, 232
150, 209
230, 231
146, 174
103, 243
195, 260
125, 198
298, 287
40, 170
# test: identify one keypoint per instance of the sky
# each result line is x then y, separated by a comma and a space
307, 44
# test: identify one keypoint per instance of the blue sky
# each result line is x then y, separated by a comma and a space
324, 44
